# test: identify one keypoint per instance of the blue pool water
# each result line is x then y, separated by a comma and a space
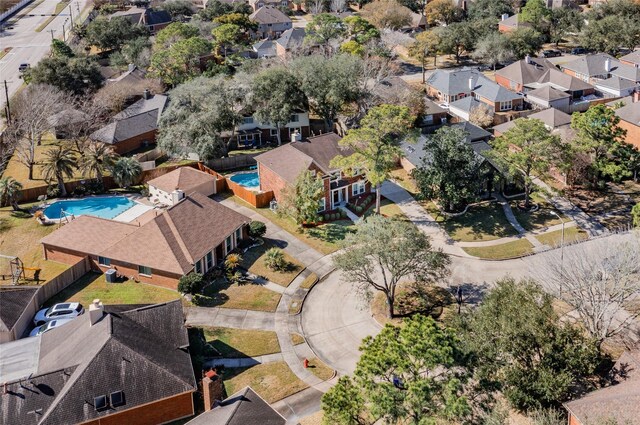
246, 179
105, 207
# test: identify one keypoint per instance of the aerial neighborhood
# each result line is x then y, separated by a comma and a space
305, 212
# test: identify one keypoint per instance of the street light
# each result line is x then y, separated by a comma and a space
562, 241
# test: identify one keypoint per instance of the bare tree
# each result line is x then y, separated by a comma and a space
598, 279
338, 6
116, 96
32, 110
481, 116
315, 6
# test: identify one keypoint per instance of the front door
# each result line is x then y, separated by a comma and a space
338, 197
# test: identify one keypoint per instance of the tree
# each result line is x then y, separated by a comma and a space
325, 28
376, 144
96, 160
450, 170
136, 51
126, 171
386, 14
61, 49
481, 116
180, 62
257, 229
457, 38
338, 6
174, 32
481, 9
518, 345
598, 280
239, 19
384, 251
301, 201
179, 9
274, 259
59, 162
444, 12
635, 215
493, 49
276, 96
427, 45
191, 283
408, 374
536, 13
10, 192
215, 8
526, 150
598, 135
227, 36
360, 30
112, 33
31, 110
563, 21
525, 41
76, 75
199, 112
612, 26
329, 83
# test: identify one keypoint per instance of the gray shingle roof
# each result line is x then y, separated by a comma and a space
551, 117
525, 73
630, 113
469, 80
13, 301
593, 65
269, 15
292, 38
547, 93
633, 57
616, 83
134, 351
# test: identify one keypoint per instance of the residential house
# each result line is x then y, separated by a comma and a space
245, 407
17, 308
169, 188
549, 97
280, 168
290, 41
121, 364
418, 22
195, 234
555, 120
265, 48
632, 59
630, 119
153, 20
511, 23
134, 127
257, 4
610, 76
271, 23
433, 114
253, 133
618, 403
396, 91
466, 89
63, 122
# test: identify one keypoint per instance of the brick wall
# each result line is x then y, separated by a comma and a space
506, 83
270, 181
135, 142
159, 412
633, 133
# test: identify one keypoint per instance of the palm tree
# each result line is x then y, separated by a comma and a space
10, 191
126, 171
59, 163
96, 159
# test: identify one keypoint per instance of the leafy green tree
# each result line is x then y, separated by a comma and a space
427, 45
450, 170
376, 144
276, 96
239, 19
126, 171
536, 13
215, 8
492, 49
10, 192
112, 33
360, 30
612, 26
518, 345
562, 22
227, 36
598, 136
59, 162
525, 41
383, 251
136, 51
180, 62
481, 9
527, 150
329, 83
635, 214
74, 75
257, 229
191, 283
457, 38
444, 12
61, 49
179, 9
386, 14
301, 200
173, 32
96, 160
409, 374
325, 28
199, 112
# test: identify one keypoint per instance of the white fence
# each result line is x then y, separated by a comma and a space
13, 9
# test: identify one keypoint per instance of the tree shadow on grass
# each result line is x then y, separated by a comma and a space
481, 221
331, 232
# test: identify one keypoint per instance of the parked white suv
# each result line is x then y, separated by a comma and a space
58, 311
48, 326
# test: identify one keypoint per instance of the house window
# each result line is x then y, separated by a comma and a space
505, 106
228, 243
284, 3
294, 118
273, 132
144, 270
247, 120
209, 260
199, 266
322, 204
103, 261
357, 188
238, 235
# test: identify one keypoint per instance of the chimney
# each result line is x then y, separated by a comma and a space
504, 16
471, 84
527, 59
212, 390
296, 136
607, 65
636, 96
146, 94
96, 310
177, 196
131, 67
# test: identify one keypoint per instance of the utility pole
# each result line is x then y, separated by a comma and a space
6, 96
51, 31
64, 35
71, 14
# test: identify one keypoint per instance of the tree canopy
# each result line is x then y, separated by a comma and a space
301, 201
112, 33
76, 75
179, 62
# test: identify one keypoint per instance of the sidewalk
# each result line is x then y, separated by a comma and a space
230, 318
245, 361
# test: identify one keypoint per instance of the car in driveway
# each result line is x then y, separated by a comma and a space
58, 311
23, 67
39, 330
551, 53
578, 51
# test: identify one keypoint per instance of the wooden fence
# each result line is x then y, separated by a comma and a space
54, 286
257, 199
231, 162
31, 194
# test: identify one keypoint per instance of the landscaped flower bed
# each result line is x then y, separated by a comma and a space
361, 204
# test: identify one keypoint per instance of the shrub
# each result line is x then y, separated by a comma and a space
336, 216
257, 229
191, 283
359, 209
327, 217
274, 259
343, 214
232, 262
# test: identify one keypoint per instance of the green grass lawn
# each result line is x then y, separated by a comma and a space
571, 234
246, 296
253, 260
483, 222
503, 251
234, 343
539, 219
94, 286
273, 381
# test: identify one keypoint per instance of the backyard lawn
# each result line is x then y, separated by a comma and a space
246, 296
503, 251
234, 343
571, 235
484, 222
273, 381
253, 260
94, 286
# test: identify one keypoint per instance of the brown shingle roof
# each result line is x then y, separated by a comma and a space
183, 178
269, 15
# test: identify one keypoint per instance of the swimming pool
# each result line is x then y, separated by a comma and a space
104, 206
246, 179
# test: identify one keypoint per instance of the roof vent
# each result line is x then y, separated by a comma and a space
146, 94
96, 310
100, 403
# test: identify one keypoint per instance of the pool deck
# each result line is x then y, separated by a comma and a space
132, 213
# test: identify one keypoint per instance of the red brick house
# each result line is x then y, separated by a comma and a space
120, 364
282, 166
511, 23
193, 235
253, 133
629, 116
